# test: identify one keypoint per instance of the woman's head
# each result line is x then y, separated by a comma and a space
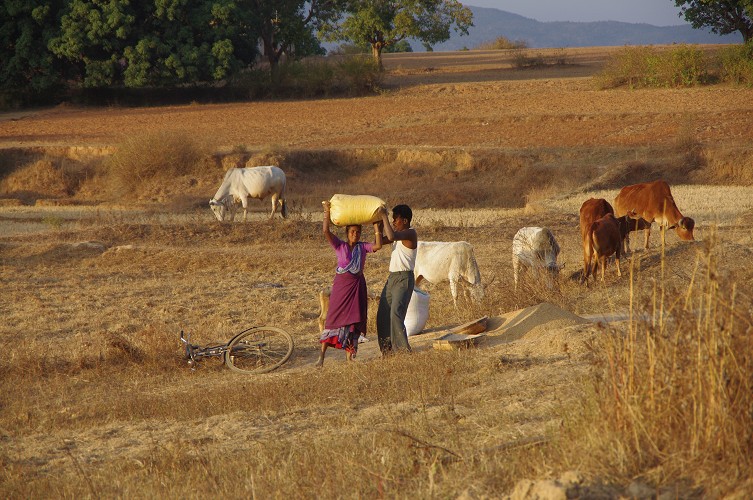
353, 232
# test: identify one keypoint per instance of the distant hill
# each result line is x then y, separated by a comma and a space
492, 23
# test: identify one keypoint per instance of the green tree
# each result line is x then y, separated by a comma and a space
287, 27
29, 70
154, 42
722, 16
382, 23
401, 46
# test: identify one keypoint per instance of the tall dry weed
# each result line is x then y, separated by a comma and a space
45, 177
675, 390
153, 156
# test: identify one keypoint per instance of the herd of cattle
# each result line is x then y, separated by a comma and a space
605, 229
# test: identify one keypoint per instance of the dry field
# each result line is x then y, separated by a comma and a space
96, 401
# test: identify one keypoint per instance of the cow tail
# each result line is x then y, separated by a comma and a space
283, 197
592, 244
590, 248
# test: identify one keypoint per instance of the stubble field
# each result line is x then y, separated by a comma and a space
97, 402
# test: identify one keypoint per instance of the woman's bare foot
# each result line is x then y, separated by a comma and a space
320, 361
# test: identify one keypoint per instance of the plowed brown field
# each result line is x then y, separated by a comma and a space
466, 99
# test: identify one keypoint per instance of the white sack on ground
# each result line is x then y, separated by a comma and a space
418, 312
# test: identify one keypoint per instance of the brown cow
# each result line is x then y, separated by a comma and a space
652, 202
592, 210
596, 208
602, 240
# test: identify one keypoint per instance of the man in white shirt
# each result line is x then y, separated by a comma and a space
396, 294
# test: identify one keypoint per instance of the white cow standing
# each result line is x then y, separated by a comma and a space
535, 248
452, 261
240, 184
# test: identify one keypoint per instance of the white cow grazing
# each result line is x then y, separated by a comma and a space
438, 261
240, 184
534, 248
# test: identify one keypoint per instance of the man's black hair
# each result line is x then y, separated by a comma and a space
403, 211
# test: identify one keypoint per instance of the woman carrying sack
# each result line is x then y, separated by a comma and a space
346, 317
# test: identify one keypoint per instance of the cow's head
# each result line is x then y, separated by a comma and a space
218, 209
624, 224
554, 268
477, 292
684, 229
552, 273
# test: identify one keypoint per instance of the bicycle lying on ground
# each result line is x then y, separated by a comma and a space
259, 349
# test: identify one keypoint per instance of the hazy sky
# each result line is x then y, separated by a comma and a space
656, 12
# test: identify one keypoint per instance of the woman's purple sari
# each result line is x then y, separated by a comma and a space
347, 314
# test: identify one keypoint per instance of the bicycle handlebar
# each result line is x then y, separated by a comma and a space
189, 347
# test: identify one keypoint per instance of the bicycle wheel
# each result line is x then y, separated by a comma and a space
260, 349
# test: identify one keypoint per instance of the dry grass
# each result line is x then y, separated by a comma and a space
153, 158
104, 395
673, 390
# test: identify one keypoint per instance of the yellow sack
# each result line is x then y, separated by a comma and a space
348, 209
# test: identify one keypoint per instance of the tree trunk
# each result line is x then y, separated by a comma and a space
272, 55
376, 52
747, 35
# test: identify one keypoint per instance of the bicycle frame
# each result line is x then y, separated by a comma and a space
258, 349
195, 352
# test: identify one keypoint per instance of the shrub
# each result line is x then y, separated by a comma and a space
522, 60
684, 66
737, 64
503, 43
360, 74
42, 178
401, 46
636, 67
307, 78
629, 66
312, 77
349, 49
159, 155
255, 83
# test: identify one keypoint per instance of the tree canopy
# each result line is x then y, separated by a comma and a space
288, 26
382, 23
722, 16
25, 30
153, 42
49, 44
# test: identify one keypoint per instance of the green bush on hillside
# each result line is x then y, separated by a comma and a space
637, 67
737, 64
503, 43
315, 77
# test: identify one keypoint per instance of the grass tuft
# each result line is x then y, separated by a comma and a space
153, 156
674, 391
